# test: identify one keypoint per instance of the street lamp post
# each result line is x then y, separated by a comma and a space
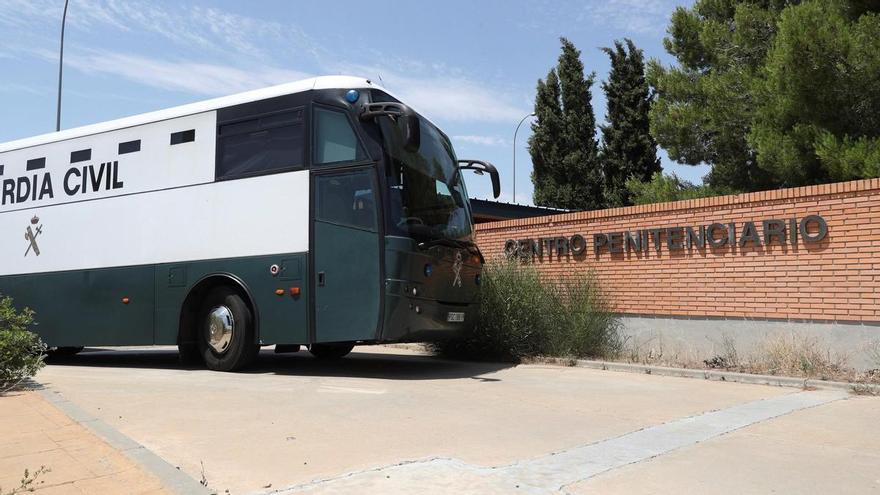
61, 68
514, 152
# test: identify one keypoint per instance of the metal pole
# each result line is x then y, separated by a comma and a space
61, 68
514, 152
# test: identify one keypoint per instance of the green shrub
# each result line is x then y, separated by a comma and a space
21, 352
522, 315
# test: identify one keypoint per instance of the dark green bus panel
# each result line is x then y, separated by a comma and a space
346, 253
142, 305
85, 307
424, 289
280, 318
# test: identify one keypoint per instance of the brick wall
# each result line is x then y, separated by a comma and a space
835, 279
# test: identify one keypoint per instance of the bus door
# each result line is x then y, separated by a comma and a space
346, 255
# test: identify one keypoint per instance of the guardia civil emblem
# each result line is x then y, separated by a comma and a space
31, 234
456, 269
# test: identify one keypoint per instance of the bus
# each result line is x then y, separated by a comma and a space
321, 213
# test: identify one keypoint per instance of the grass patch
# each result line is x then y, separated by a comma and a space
781, 354
523, 315
28, 481
800, 356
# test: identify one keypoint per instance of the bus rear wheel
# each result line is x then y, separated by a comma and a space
330, 351
189, 353
226, 331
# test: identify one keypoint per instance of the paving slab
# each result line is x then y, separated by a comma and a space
834, 448
557, 471
294, 419
35, 434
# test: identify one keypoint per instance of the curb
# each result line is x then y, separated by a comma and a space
729, 376
714, 375
171, 477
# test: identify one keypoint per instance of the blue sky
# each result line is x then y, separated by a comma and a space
470, 66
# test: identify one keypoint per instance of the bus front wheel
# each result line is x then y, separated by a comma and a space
330, 351
226, 331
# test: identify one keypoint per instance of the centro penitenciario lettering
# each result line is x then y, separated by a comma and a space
716, 235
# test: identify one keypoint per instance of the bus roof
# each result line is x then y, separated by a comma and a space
323, 82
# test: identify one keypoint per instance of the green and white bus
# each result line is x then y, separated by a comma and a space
323, 213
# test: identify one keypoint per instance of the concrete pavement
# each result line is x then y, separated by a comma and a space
393, 421
830, 449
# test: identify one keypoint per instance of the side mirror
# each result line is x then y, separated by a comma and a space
403, 116
479, 167
412, 132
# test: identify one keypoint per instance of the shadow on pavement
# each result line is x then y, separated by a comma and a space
357, 364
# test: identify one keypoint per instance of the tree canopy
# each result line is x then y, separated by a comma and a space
566, 169
819, 113
628, 150
771, 93
662, 188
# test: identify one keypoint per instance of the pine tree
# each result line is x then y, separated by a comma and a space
628, 150
705, 105
564, 149
777, 93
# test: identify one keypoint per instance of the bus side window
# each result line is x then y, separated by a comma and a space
261, 145
346, 200
335, 140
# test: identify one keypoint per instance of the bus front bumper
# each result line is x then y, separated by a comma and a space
425, 320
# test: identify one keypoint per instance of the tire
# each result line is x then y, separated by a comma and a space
226, 335
189, 353
330, 351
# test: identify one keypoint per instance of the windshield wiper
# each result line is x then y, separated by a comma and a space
470, 246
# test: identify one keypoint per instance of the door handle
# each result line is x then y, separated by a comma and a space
321, 279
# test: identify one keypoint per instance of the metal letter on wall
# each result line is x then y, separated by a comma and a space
717, 242
818, 236
716, 235
578, 244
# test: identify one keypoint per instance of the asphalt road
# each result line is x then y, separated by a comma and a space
394, 421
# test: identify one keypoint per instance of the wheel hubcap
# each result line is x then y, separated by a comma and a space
221, 326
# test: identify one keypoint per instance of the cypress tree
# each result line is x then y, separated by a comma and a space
544, 144
564, 149
628, 149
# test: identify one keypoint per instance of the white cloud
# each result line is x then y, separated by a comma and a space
6, 87
187, 76
205, 29
439, 95
636, 16
565, 17
481, 140
25, 13
205, 32
89, 14
457, 100
247, 50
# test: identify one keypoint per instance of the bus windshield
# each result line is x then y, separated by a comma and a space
428, 199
